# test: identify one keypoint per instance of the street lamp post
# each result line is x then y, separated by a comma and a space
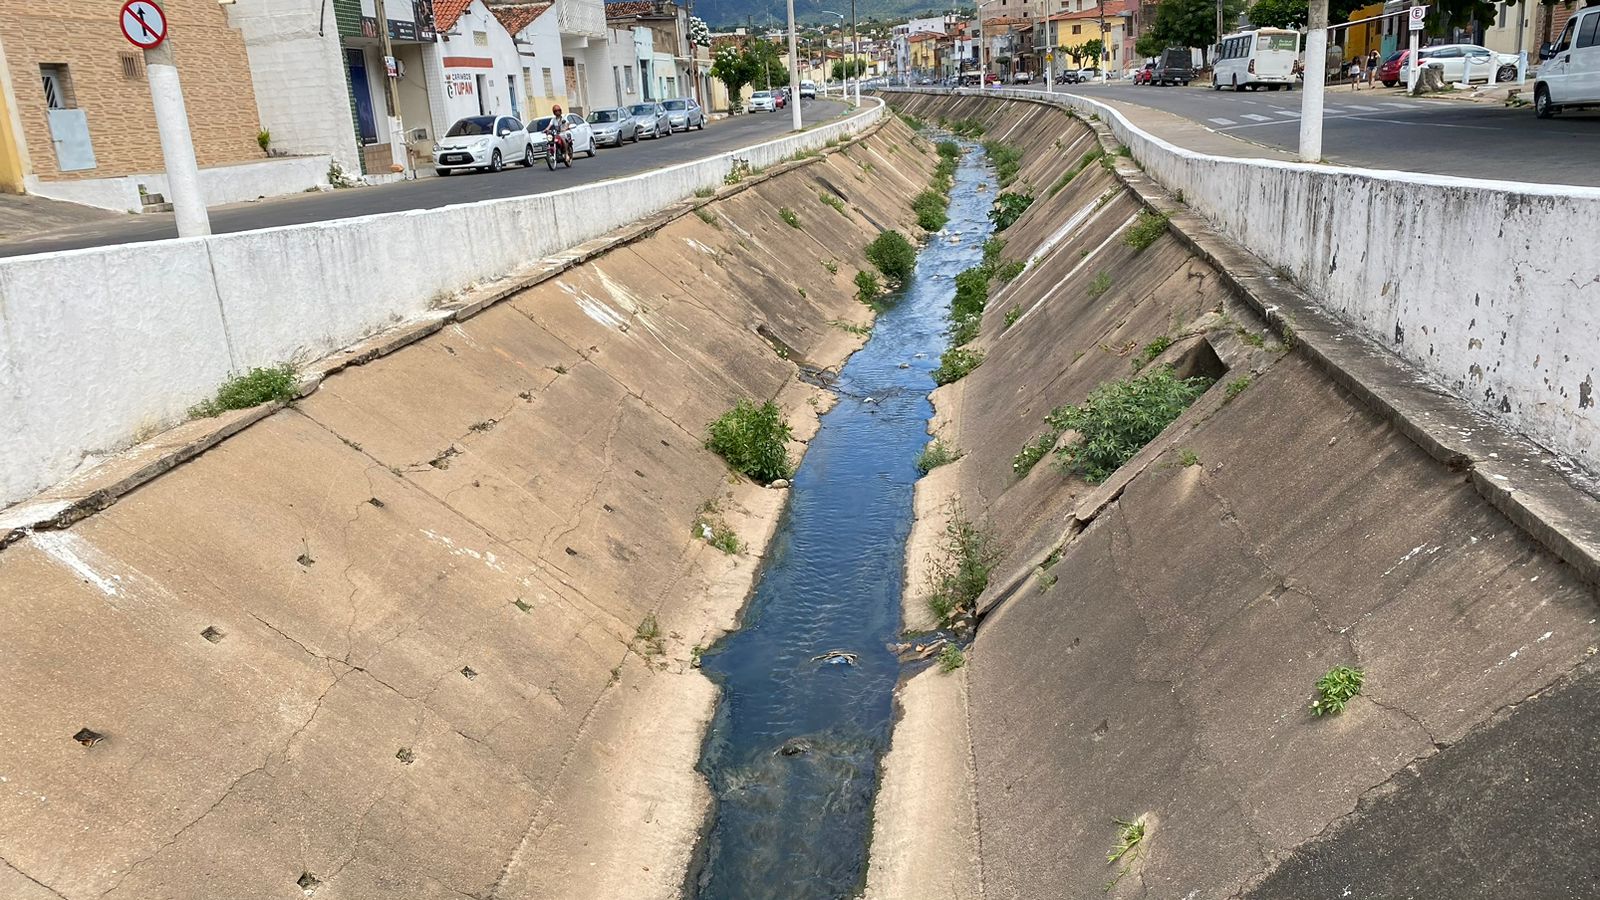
855, 51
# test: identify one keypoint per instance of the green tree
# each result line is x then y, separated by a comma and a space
1192, 23
732, 67
1149, 45
1279, 13
1094, 50
854, 68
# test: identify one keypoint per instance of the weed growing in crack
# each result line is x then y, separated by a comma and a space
832, 201
1119, 418
937, 453
1099, 286
1335, 689
1008, 271
1033, 451
1150, 351
648, 637
1007, 160
277, 384
754, 440
705, 192
708, 217
1251, 338
832, 265
1146, 230
961, 571
1067, 176
1237, 387
789, 217
710, 527
1187, 458
1129, 836
951, 658
1012, 315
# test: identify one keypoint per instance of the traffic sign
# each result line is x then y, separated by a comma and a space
144, 24
1418, 13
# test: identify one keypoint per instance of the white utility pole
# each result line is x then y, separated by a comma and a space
794, 74
983, 51
1414, 24
177, 144
1316, 69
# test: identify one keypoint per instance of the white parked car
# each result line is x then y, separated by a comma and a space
762, 101
1478, 62
1022, 78
482, 142
1569, 76
581, 134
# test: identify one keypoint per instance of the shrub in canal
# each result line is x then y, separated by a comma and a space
754, 440
1007, 160
930, 209
893, 254
949, 150
1008, 208
253, 388
867, 288
961, 572
966, 310
1146, 230
956, 364
937, 453
1118, 418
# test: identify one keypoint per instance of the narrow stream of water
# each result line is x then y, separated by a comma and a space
794, 750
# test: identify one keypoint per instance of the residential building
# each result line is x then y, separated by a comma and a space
586, 53
661, 47
540, 80
1084, 21
76, 118
479, 68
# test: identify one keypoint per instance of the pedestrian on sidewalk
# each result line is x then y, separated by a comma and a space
1355, 74
1372, 69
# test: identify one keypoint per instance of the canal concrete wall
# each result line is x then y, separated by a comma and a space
430, 632
1148, 646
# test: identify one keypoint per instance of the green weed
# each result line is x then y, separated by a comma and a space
1188, 458
937, 453
951, 658
832, 265
832, 201
949, 149
754, 440
1236, 387
851, 327
1007, 160
705, 192
1098, 287
956, 364
894, 256
1012, 315
708, 217
1129, 836
1335, 689
1119, 418
961, 571
991, 251
1008, 208
1010, 270
789, 217
648, 637
1033, 451
1146, 230
867, 288
1067, 176
1155, 348
276, 384
930, 209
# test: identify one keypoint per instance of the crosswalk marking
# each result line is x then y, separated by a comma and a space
1398, 105
1257, 118
1363, 108
1221, 121
1289, 112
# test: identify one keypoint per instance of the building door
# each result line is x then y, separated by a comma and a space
570, 69
516, 109
361, 92
483, 94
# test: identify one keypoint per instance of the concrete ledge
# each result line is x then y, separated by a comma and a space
105, 483
236, 183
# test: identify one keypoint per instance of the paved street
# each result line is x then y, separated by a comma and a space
1384, 129
427, 193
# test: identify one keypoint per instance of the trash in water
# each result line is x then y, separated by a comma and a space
904, 365
837, 658
793, 747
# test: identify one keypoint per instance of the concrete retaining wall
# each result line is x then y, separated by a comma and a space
1492, 288
220, 184
98, 346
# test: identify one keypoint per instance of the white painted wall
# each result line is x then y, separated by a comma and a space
298, 71
539, 46
505, 67
1492, 288
100, 344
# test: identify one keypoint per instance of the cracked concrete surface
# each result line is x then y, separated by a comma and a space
423, 583
1163, 668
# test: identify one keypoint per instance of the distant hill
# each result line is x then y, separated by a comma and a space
723, 14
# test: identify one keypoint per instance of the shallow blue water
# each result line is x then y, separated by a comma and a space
797, 826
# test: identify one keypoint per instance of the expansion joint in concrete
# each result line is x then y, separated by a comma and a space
8, 864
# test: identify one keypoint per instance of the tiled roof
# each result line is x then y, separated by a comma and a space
927, 36
629, 8
517, 16
1112, 10
447, 12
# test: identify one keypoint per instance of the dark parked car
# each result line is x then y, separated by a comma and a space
1174, 66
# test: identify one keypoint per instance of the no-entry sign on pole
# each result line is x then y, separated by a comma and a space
144, 24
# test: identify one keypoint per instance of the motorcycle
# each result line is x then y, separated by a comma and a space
560, 151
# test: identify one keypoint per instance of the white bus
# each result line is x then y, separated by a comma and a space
1253, 59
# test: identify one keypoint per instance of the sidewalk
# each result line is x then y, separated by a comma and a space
23, 215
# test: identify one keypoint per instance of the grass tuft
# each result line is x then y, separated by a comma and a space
1155, 348
1099, 286
1008, 271
276, 384
1188, 458
851, 327
708, 217
956, 364
754, 440
832, 265
937, 453
868, 288
789, 217
832, 201
951, 658
1119, 418
1236, 387
1335, 689
1145, 230
1067, 176
962, 570
1007, 159
1012, 315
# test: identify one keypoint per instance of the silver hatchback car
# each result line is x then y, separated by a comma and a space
651, 120
613, 126
684, 114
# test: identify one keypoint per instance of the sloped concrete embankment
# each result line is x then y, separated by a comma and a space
394, 641
1149, 645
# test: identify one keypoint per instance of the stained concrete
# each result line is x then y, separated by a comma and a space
383, 643
1162, 668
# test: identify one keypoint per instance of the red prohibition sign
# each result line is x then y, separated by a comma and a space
144, 24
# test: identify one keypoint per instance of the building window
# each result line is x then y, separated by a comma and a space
1077, 29
132, 65
58, 92
549, 84
627, 78
527, 83
480, 38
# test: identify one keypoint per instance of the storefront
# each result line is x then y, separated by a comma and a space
412, 34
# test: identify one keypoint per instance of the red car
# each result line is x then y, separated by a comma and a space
1389, 72
1144, 75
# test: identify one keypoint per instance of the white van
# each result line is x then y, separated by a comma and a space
1569, 77
1255, 59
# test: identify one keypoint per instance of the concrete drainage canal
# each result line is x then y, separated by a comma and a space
808, 681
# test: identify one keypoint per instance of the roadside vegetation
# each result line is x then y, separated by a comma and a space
893, 254
1145, 230
754, 440
1008, 208
961, 571
1113, 423
276, 384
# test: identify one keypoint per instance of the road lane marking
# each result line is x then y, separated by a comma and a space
1400, 105
1289, 112
1364, 108
1257, 118
1222, 121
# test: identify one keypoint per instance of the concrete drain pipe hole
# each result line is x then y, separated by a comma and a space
405, 755
469, 673
88, 738
308, 883
213, 634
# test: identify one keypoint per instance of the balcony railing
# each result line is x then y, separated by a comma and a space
582, 17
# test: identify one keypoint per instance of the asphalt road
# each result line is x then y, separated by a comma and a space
431, 192
1384, 129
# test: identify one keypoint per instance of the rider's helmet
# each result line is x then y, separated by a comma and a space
556, 110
